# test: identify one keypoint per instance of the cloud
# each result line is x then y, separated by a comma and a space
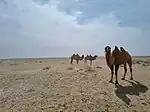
124, 9
31, 29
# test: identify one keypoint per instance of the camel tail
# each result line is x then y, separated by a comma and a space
129, 62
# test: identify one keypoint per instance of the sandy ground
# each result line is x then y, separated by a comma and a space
54, 85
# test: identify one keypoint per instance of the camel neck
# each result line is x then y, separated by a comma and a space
108, 58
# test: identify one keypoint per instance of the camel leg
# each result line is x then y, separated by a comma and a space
131, 72
130, 66
125, 71
85, 61
77, 61
71, 61
90, 62
116, 74
112, 73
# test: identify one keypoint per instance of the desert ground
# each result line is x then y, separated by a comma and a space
54, 85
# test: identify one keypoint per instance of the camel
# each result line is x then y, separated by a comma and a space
77, 58
86, 58
117, 58
90, 58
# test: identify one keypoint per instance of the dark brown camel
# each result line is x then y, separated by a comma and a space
117, 58
77, 58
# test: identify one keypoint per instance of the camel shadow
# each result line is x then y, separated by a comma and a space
134, 89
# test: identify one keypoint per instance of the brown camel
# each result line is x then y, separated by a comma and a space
117, 58
90, 58
77, 58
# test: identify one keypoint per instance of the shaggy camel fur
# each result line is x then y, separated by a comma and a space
77, 58
117, 58
90, 58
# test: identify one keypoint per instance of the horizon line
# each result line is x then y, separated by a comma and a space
59, 57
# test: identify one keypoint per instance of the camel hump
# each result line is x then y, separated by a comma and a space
116, 49
122, 49
77, 54
116, 52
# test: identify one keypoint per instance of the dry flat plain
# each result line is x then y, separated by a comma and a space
54, 85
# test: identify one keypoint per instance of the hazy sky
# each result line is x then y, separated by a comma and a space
37, 28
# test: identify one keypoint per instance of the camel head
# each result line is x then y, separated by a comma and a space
107, 49
81, 58
95, 56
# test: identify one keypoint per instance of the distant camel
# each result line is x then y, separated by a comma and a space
77, 58
117, 58
90, 58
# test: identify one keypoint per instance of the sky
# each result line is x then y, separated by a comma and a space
49, 28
